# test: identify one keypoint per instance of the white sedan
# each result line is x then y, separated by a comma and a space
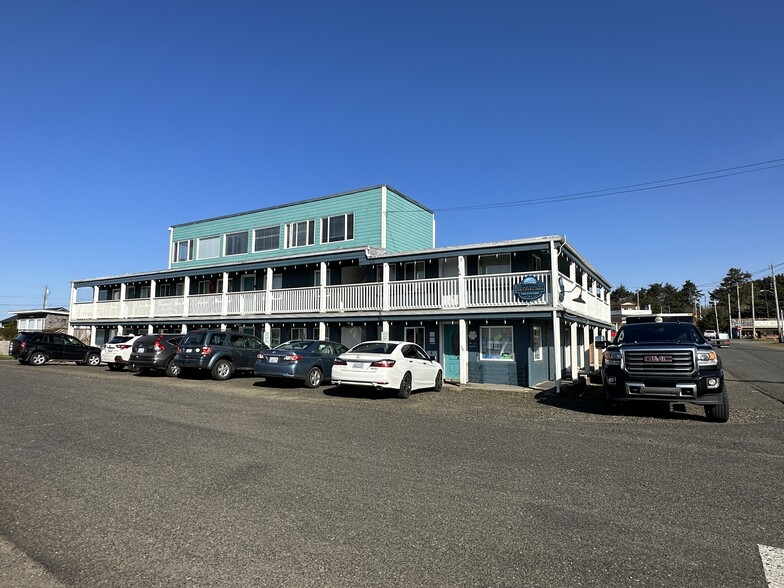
395, 365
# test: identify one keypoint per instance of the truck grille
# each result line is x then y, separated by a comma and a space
659, 362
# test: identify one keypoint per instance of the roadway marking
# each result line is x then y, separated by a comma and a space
773, 562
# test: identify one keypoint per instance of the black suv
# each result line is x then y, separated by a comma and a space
220, 352
156, 352
38, 348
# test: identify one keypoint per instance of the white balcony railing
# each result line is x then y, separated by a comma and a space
440, 294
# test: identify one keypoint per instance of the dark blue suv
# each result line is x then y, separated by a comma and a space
220, 352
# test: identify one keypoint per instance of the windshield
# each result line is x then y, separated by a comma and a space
659, 333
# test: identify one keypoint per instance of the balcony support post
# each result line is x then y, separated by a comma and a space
322, 289
186, 292
463, 328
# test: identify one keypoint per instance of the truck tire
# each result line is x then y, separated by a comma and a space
719, 413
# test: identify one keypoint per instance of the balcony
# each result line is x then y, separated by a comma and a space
489, 292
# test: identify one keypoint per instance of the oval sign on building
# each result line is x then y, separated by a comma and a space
529, 289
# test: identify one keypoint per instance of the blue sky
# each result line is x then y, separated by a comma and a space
119, 119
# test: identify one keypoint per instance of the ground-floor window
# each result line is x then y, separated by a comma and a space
497, 343
299, 332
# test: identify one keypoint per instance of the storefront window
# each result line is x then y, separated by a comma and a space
497, 343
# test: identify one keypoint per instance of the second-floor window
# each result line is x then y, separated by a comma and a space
236, 243
208, 247
266, 239
337, 228
495, 264
183, 250
300, 234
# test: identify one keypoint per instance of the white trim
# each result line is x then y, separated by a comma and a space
383, 217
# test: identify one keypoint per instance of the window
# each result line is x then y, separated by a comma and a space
337, 228
164, 290
317, 277
266, 239
299, 332
300, 234
414, 270
31, 324
536, 263
536, 342
415, 335
183, 250
495, 264
497, 343
236, 243
208, 247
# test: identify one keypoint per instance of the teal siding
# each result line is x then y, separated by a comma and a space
411, 226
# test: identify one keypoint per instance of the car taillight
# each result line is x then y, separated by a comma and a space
177, 349
23, 345
292, 357
206, 350
260, 356
157, 345
339, 362
383, 363
123, 346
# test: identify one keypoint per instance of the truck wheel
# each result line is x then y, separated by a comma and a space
222, 370
719, 413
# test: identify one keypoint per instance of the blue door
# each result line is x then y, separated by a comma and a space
451, 352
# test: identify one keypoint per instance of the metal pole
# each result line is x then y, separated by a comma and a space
776, 296
729, 315
740, 328
753, 318
716, 315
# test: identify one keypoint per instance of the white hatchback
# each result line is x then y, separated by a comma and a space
117, 352
391, 365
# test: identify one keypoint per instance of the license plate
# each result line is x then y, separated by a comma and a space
273, 359
141, 350
358, 366
188, 350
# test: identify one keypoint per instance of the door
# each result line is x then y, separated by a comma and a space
54, 346
73, 349
451, 352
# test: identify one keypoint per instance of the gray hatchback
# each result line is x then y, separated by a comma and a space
222, 353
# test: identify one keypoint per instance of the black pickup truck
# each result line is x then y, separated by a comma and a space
664, 362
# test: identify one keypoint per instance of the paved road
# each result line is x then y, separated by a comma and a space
118, 479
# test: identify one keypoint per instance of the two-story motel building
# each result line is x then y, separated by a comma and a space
363, 265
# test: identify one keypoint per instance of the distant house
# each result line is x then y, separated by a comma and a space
54, 320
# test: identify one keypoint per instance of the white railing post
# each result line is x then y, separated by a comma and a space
322, 290
151, 314
385, 286
96, 292
225, 294
123, 291
461, 283
268, 297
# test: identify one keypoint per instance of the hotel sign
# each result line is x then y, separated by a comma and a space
530, 288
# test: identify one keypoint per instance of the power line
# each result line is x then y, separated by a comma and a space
641, 187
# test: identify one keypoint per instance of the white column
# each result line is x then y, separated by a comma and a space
463, 332
93, 333
385, 286
71, 308
385, 330
96, 293
586, 348
462, 298
186, 292
225, 295
123, 293
573, 351
268, 297
322, 289
322, 330
267, 335
152, 299
555, 320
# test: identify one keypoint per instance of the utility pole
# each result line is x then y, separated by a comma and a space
740, 328
776, 296
46, 295
729, 314
753, 318
716, 316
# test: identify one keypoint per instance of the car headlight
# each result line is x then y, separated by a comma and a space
707, 358
612, 357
